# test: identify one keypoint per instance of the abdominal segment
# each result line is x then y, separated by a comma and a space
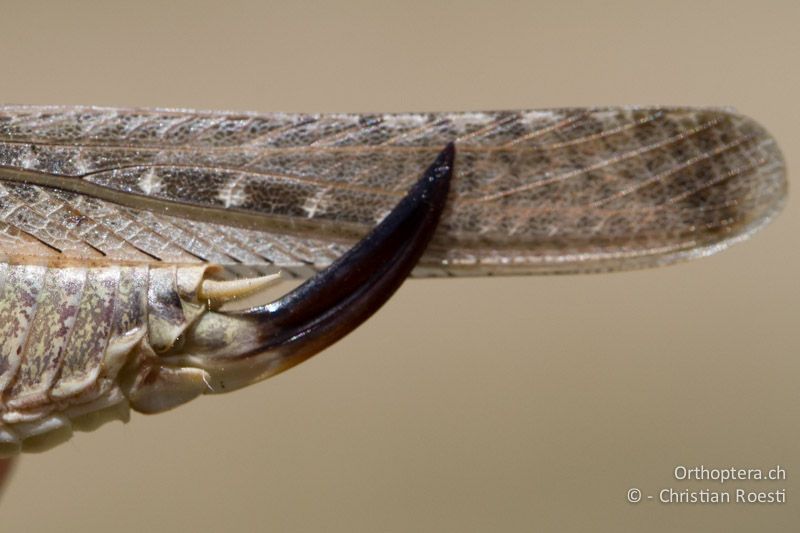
75, 340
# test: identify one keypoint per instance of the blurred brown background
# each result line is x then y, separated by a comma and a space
464, 405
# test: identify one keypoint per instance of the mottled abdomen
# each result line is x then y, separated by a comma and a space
80, 345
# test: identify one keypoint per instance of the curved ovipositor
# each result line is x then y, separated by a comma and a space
84, 344
239, 348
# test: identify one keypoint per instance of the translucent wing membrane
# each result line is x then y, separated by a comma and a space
565, 190
124, 233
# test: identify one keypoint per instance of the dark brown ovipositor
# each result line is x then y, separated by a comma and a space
126, 234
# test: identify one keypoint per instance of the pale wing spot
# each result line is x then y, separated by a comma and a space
150, 182
316, 203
